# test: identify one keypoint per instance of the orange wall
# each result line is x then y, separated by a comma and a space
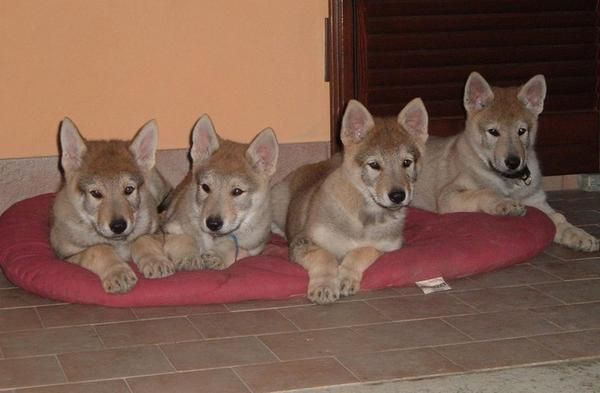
111, 65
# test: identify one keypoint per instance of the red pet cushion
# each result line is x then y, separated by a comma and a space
451, 245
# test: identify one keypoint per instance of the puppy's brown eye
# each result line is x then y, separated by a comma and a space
493, 132
522, 130
96, 194
374, 165
205, 187
129, 190
237, 192
407, 163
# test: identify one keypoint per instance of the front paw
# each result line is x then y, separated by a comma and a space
509, 207
576, 238
323, 291
214, 261
119, 279
190, 262
349, 281
156, 267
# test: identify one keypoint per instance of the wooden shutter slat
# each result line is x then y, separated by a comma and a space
448, 23
504, 74
444, 7
478, 38
449, 57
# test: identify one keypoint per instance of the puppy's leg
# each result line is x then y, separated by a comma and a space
453, 200
566, 234
116, 275
223, 253
147, 253
353, 266
183, 250
322, 267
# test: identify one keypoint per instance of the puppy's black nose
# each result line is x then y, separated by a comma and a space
397, 196
512, 162
214, 223
118, 226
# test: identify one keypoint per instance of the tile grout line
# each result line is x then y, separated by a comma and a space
235, 372
196, 328
338, 361
289, 320
62, 368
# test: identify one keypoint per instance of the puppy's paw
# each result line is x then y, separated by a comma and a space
509, 207
190, 262
349, 281
576, 238
156, 267
323, 291
119, 279
214, 261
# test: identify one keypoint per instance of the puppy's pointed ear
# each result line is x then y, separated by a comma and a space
533, 93
263, 152
72, 146
144, 145
414, 119
204, 140
356, 123
478, 93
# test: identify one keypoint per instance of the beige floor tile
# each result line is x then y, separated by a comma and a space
152, 331
572, 345
112, 386
217, 353
570, 255
208, 381
296, 374
420, 306
16, 297
81, 314
504, 324
503, 299
19, 319
572, 270
333, 315
114, 363
410, 334
268, 304
49, 341
176, 311
242, 323
33, 371
316, 343
397, 364
491, 354
514, 276
572, 317
573, 291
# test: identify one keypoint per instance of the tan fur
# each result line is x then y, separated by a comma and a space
207, 194
101, 232
338, 215
464, 172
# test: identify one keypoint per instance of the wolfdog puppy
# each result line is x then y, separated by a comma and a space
221, 211
340, 215
491, 166
106, 208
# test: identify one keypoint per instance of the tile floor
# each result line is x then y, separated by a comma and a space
544, 310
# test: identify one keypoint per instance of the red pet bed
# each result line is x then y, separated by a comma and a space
451, 245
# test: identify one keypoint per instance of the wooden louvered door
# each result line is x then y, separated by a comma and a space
386, 52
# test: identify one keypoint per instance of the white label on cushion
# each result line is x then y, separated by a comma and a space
433, 285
